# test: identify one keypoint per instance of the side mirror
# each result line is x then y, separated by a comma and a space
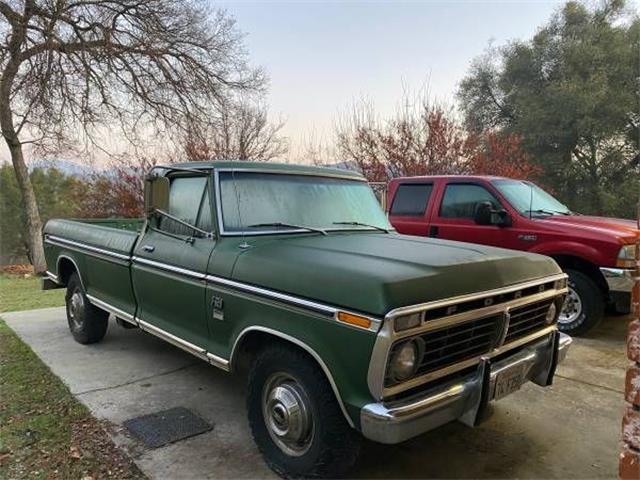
156, 194
484, 214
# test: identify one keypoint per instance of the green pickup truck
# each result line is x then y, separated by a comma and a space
293, 275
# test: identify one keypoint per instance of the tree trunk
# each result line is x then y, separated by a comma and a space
34, 225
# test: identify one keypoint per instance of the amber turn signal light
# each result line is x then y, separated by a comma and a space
352, 319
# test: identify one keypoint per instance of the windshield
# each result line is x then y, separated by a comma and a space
265, 202
529, 199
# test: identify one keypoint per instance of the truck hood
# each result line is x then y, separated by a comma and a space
376, 272
616, 228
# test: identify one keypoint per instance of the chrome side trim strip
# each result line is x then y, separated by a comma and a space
52, 276
217, 361
302, 345
270, 293
169, 268
195, 350
264, 292
111, 309
63, 242
290, 299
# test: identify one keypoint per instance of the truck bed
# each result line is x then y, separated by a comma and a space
100, 249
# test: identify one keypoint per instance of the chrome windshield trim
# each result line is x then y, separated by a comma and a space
250, 233
63, 242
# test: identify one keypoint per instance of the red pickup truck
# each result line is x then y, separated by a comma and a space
596, 252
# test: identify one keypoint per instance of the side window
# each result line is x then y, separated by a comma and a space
411, 199
185, 199
460, 200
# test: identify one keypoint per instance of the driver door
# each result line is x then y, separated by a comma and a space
170, 262
454, 219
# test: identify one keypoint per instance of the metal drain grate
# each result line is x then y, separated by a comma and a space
167, 426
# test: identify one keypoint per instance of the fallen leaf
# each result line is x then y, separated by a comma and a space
74, 452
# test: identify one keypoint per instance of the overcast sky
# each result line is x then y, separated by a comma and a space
322, 55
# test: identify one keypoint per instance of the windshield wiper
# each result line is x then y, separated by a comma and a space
549, 212
360, 224
288, 225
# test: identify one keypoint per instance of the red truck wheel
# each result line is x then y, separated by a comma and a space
583, 307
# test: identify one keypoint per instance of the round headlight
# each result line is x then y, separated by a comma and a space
551, 314
404, 361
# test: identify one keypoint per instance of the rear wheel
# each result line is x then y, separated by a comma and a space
87, 323
583, 307
295, 419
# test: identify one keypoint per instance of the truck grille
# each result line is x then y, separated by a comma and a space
527, 319
457, 343
473, 338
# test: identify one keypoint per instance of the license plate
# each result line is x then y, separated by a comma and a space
508, 382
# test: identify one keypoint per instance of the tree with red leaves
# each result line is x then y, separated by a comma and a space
425, 139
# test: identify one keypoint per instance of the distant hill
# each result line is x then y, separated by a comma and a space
65, 166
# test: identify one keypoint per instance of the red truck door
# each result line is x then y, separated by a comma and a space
453, 214
409, 208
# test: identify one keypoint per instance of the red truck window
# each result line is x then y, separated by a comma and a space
411, 199
460, 200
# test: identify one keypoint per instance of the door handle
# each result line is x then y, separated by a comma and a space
433, 231
148, 248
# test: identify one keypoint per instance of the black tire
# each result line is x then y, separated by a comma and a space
591, 309
332, 446
87, 323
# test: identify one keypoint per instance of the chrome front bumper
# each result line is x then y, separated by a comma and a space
618, 279
464, 399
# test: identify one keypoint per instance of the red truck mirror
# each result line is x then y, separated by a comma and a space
156, 194
485, 214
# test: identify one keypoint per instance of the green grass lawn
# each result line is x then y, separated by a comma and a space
44, 431
20, 293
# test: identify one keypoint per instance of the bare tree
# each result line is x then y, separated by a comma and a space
69, 66
241, 131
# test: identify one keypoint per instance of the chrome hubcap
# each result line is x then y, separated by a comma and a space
571, 308
75, 308
287, 414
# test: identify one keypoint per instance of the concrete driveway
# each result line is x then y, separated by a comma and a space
570, 430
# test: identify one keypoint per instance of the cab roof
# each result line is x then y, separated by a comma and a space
449, 177
270, 166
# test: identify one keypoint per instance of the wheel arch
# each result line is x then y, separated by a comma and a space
66, 266
585, 266
255, 337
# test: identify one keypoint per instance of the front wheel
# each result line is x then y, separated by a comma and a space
87, 323
295, 418
583, 307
